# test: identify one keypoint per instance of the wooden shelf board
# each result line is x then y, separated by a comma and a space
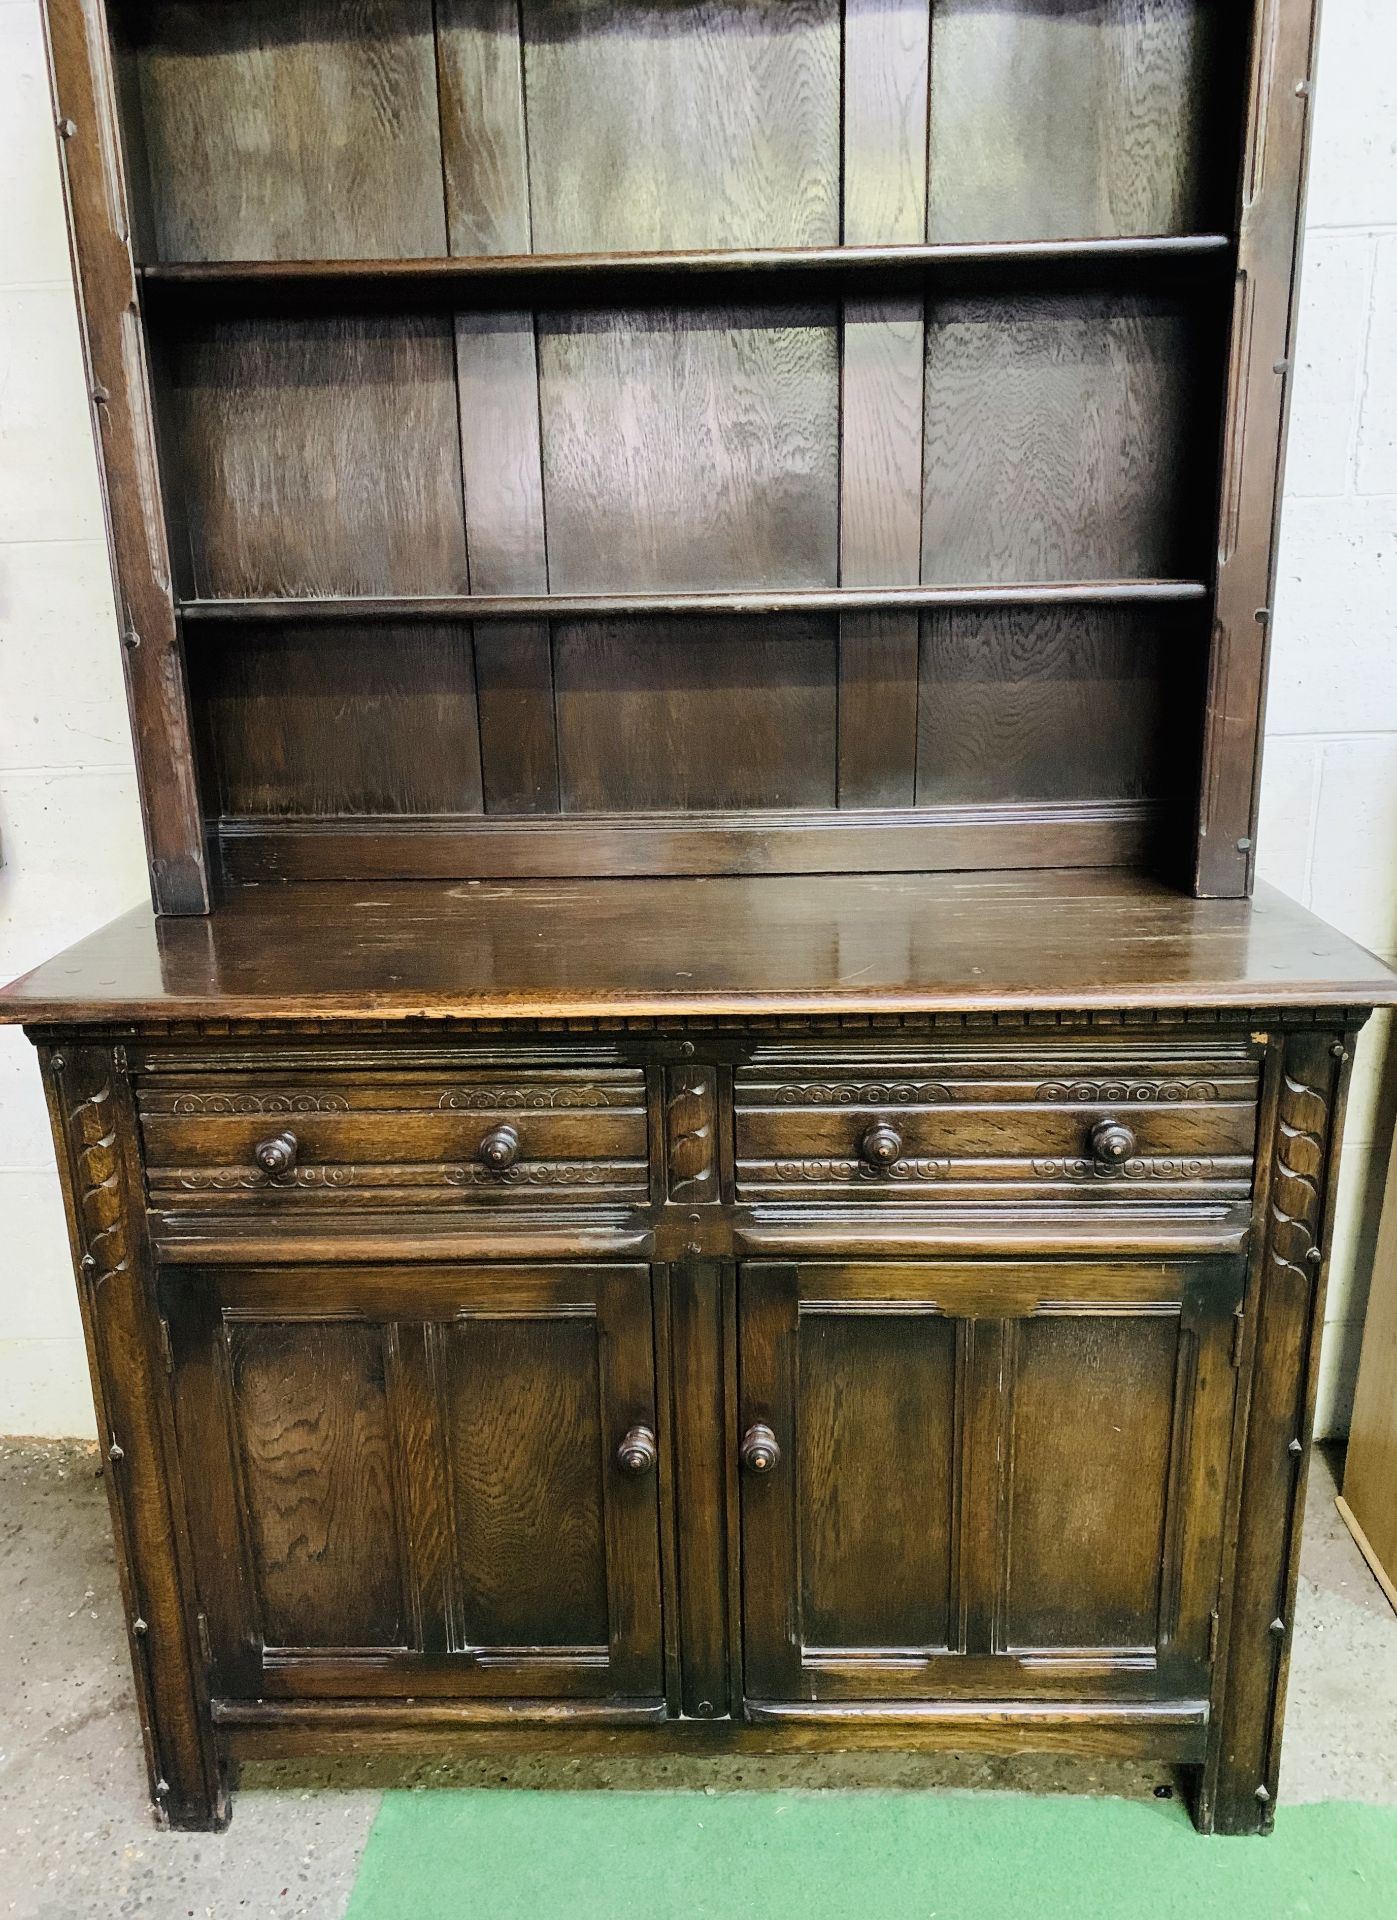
528, 278
755, 601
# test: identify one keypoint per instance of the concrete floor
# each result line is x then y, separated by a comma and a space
76, 1842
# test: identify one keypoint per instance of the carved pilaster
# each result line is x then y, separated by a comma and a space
95, 1137
1295, 1214
691, 1134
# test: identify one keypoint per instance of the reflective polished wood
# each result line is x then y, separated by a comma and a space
559, 950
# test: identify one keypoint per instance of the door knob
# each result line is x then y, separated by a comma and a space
881, 1146
1112, 1143
500, 1148
277, 1155
760, 1450
638, 1452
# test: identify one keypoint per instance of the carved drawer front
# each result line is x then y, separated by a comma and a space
374, 1139
1113, 1121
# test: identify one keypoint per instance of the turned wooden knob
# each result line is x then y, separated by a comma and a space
759, 1449
1112, 1143
277, 1155
881, 1146
500, 1148
638, 1452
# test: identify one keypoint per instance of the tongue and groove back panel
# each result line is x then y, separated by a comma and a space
521, 483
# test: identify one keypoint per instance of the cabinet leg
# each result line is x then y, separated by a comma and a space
1295, 1198
95, 1133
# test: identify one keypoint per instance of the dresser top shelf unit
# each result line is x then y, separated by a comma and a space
562, 439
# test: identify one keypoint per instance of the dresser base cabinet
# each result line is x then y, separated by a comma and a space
958, 1433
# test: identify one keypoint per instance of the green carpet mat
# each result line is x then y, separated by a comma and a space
860, 1856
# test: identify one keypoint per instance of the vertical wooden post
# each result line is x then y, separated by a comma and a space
123, 426
1258, 385
1296, 1217
94, 1133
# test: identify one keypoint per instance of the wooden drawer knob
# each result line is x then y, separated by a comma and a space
759, 1450
277, 1155
1112, 1143
638, 1453
881, 1146
500, 1148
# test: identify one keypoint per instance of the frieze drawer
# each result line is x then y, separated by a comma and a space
982, 1125
376, 1139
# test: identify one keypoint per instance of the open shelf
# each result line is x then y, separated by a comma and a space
602, 606
508, 280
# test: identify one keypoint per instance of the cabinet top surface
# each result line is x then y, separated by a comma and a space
675, 947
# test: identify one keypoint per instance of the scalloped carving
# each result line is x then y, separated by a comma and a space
91, 1127
863, 1093
549, 1173
236, 1103
1121, 1092
858, 1171
475, 1099
1158, 1168
1302, 1127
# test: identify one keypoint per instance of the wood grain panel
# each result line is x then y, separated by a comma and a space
878, 724
683, 123
1062, 438
875, 1412
1071, 118
276, 131
690, 449
518, 727
318, 456
484, 143
881, 473
497, 375
1053, 703
885, 121
655, 716
1091, 1425
880, 537
339, 721
523, 1430
313, 1422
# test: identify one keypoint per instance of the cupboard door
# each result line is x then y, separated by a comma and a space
435, 1481
989, 1480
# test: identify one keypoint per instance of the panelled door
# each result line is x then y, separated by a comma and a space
459, 1499
983, 1480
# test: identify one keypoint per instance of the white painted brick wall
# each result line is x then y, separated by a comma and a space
69, 822
1328, 831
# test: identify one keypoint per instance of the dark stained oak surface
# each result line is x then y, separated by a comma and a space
675, 946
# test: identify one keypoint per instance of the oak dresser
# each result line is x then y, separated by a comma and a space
703, 1145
